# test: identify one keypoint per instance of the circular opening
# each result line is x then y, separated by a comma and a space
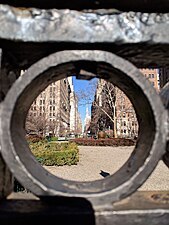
111, 68
95, 115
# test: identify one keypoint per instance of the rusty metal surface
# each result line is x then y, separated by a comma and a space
80, 211
129, 5
6, 180
151, 117
62, 25
164, 94
30, 34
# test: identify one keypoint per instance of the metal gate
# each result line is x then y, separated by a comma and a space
111, 39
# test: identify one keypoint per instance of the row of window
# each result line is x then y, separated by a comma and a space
42, 114
43, 108
132, 123
149, 75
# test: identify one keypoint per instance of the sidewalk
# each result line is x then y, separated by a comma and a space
97, 162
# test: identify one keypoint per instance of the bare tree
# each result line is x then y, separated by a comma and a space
102, 96
37, 124
107, 108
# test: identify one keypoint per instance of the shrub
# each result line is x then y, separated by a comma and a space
34, 138
54, 138
52, 154
103, 142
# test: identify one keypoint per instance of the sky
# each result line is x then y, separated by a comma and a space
82, 85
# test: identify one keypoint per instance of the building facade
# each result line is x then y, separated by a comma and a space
152, 75
115, 109
55, 110
127, 125
163, 76
87, 122
50, 112
75, 118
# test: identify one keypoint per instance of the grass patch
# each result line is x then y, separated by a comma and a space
55, 154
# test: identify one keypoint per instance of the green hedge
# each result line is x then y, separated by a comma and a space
53, 138
103, 142
55, 154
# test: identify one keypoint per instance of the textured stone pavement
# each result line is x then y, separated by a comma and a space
93, 160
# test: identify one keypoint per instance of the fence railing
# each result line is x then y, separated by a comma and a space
53, 44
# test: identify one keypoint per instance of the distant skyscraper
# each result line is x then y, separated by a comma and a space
87, 121
75, 119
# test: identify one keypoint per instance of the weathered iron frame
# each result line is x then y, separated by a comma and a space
125, 34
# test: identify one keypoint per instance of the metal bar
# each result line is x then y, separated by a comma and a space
83, 27
132, 5
140, 209
31, 34
5, 175
151, 116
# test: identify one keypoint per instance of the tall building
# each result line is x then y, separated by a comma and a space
55, 110
115, 109
152, 75
75, 119
79, 125
127, 125
50, 112
87, 121
126, 121
163, 76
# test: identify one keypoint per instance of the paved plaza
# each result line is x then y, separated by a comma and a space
97, 162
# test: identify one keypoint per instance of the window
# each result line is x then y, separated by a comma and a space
152, 76
50, 108
149, 75
53, 114
40, 102
43, 101
53, 107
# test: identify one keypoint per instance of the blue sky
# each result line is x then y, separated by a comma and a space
84, 85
